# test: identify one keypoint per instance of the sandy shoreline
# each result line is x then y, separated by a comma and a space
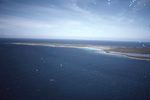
103, 49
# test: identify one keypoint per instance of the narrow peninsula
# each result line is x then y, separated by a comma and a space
141, 53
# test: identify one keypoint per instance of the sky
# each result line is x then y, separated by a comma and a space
120, 20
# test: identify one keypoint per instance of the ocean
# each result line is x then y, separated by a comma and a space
61, 73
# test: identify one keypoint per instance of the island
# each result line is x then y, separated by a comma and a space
141, 53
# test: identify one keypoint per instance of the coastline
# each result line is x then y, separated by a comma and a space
104, 49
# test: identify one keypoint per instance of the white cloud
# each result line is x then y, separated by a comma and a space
69, 19
25, 23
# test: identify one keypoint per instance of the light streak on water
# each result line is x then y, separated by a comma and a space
143, 45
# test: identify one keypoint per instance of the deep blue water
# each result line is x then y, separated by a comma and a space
98, 42
54, 73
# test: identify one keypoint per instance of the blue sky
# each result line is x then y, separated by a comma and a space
121, 20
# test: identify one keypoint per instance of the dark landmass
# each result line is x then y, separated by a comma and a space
139, 50
127, 51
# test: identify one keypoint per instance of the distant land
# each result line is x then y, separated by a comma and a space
141, 53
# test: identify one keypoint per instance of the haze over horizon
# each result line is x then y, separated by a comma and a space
120, 20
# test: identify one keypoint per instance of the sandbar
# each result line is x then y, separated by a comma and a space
141, 53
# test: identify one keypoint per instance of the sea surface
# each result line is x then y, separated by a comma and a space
60, 73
